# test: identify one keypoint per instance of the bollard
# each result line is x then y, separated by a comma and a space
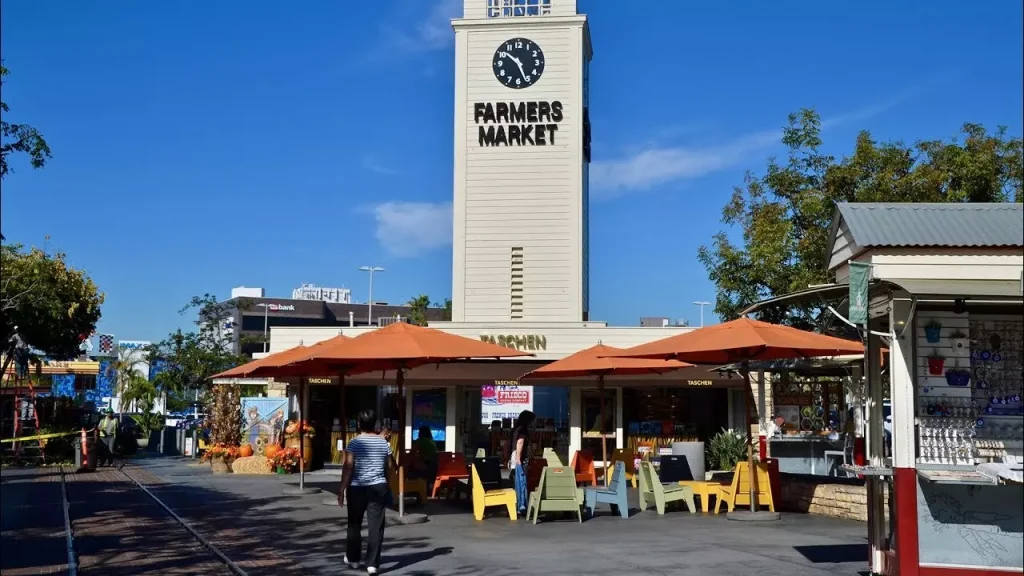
195, 443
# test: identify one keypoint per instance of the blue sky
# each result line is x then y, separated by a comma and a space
200, 146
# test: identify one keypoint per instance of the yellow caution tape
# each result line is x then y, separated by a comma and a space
38, 437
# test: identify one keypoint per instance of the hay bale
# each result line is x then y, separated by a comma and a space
258, 464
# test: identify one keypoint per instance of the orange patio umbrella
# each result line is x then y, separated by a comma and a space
597, 361
744, 340
399, 346
277, 364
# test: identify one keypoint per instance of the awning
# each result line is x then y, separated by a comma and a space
971, 290
967, 289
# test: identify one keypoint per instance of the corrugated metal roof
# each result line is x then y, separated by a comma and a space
926, 224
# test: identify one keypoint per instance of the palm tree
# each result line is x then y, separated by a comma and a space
130, 385
418, 309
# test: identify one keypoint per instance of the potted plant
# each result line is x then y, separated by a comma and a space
933, 332
726, 449
936, 362
220, 456
960, 341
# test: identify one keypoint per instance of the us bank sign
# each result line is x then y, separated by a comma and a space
517, 341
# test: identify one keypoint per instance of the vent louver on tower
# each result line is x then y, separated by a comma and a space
516, 283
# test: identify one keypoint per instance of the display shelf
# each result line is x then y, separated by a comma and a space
961, 477
866, 470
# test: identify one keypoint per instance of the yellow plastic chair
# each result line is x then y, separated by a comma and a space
738, 492
483, 499
626, 458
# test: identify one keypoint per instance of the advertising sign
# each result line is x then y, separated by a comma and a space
428, 409
504, 399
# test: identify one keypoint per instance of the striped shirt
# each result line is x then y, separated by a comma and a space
370, 453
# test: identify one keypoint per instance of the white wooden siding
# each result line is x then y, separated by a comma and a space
563, 338
947, 263
844, 248
519, 196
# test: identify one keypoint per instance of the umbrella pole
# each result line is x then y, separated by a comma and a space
400, 383
344, 419
604, 440
302, 415
750, 449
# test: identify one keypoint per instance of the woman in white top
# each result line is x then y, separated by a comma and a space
364, 482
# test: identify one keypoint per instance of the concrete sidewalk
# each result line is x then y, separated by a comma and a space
311, 536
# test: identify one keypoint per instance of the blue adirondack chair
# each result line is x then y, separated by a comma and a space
614, 493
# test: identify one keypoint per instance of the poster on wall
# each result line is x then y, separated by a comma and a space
263, 421
429, 409
504, 399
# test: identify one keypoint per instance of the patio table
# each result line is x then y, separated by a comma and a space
705, 489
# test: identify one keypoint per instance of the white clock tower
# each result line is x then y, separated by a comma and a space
522, 155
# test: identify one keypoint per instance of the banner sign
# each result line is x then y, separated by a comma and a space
263, 421
504, 399
860, 276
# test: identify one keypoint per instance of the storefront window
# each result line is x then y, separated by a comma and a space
429, 409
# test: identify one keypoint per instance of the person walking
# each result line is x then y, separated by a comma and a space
108, 435
364, 484
521, 453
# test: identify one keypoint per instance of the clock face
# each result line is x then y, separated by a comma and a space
518, 63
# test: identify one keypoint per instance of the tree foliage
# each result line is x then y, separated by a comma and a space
45, 303
784, 215
19, 138
193, 357
418, 309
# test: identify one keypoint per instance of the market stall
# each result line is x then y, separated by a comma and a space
942, 285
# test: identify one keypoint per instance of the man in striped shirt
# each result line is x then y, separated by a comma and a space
364, 483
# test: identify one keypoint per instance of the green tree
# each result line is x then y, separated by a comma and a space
130, 385
418, 309
19, 139
45, 304
446, 309
784, 215
193, 357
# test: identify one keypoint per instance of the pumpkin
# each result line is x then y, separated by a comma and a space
245, 451
271, 450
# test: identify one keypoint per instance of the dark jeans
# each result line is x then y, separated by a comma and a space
368, 500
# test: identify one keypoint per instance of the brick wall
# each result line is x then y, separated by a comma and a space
836, 497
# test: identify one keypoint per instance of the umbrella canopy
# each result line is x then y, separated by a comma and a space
246, 370
284, 364
402, 345
595, 361
598, 361
743, 339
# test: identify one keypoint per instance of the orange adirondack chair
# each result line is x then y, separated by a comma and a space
583, 466
451, 467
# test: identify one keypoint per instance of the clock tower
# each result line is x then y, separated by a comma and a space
522, 156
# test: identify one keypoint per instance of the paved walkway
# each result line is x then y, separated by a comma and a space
119, 530
311, 535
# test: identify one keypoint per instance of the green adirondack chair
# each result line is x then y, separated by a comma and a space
552, 458
651, 488
556, 492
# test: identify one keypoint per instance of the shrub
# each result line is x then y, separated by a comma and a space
726, 449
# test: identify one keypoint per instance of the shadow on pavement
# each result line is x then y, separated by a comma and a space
834, 553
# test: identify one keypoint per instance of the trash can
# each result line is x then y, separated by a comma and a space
85, 460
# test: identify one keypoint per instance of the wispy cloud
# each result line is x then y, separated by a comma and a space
407, 229
370, 163
655, 165
433, 31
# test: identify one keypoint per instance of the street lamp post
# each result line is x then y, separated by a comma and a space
702, 304
266, 309
369, 301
